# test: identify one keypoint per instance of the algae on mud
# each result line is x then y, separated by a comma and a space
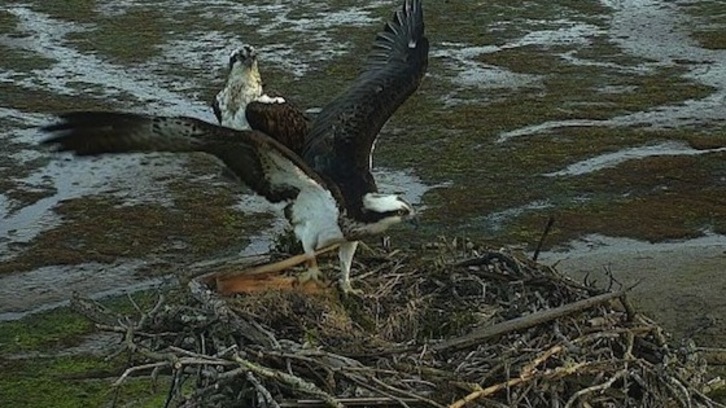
45, 361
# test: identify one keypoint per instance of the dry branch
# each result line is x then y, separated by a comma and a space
475, 327
524, 322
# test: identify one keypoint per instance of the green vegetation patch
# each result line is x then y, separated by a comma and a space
105, 228
132, 37
20, 60
653, 199
51, 330
82, 11
37, 101
37, 368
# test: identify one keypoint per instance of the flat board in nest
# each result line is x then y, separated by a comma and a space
442, 327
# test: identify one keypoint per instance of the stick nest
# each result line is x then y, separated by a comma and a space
448, 326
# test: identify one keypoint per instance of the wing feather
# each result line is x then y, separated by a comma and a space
283, 121
217, 110
253, 156
342, 137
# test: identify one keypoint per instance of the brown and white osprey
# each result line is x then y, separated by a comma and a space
242, 103
330, 192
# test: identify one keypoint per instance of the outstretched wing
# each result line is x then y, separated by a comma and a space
265, 165
280, 119
343, 135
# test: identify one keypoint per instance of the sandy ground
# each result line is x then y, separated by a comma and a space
680, 284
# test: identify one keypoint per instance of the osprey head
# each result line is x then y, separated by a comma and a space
245, 56
385, 210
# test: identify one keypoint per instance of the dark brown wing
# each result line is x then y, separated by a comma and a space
282, 121
217, 111
340, 143
266, 166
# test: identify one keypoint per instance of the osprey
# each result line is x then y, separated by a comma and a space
330, 194
242, 103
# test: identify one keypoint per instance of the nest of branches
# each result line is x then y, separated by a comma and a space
448, 326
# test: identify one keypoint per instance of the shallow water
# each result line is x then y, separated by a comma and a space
608, 160
514, 101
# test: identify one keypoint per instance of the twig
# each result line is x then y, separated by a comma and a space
484, 392
250, 330
680, 391
263, 392
365, 384
629, 309
224, 277
600, 387
550, 222
138, 368
93, 311
291, 380
406, 393
528, 369
348, 402
153, 312
524, 322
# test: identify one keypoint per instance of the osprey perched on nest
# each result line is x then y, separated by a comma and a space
331, 196
242, 103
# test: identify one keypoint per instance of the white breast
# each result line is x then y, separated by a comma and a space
242, 88
314, 214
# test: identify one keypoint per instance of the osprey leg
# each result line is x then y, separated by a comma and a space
312, 273
345, 254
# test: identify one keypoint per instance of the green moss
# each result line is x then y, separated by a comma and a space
654, 199
113, 38
72, 10
44, 331
60, 328
36, 101
53, 378
61, 382
101, 229
7, 21
20, 60
712, 39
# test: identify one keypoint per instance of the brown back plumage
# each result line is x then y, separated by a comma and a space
283, 121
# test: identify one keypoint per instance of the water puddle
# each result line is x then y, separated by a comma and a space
50, 287
496, 221
66, 178
470, 73
570, 33
600, 244
38, 33
591, 165
658, 31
